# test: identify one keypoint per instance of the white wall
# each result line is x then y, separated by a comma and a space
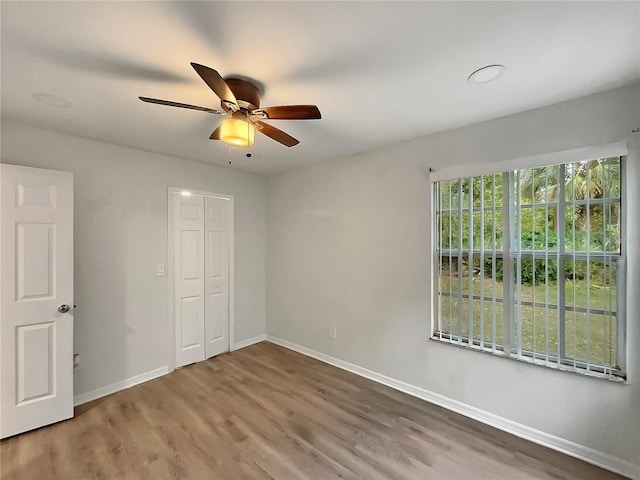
121, 324
348, 247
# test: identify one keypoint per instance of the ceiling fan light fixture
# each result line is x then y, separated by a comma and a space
240, 99
237, 132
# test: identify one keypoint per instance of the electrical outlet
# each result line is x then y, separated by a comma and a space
76, 360
332, 333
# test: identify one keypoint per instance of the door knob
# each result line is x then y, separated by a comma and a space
64, 308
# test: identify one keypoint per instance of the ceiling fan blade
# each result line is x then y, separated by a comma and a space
217, 84
292, 112
181, 105
215, 135
276, 134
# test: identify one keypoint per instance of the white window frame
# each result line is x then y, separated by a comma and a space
619, 149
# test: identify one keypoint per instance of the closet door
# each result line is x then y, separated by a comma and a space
188, 272
217, 225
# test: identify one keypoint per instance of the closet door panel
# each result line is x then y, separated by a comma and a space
188, 239
217, 211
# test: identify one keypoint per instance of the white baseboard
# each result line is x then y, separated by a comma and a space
595, 457
144, 377
116, 387
249, 341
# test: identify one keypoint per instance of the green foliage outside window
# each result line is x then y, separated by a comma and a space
595, 228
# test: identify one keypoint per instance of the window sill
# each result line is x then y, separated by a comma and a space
620, 379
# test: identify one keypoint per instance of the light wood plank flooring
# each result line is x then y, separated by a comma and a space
267, 412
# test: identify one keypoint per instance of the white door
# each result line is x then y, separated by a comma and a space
188, 278
201, 233
36, 298
216, 275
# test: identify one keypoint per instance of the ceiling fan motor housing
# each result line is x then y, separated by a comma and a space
247, 94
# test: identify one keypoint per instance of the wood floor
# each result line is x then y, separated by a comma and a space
267, 412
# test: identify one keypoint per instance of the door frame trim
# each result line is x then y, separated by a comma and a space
170, 265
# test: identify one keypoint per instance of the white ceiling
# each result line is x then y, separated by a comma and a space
381, 72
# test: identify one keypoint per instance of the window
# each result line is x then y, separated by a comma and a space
530, 264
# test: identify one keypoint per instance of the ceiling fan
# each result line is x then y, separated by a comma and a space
240, 99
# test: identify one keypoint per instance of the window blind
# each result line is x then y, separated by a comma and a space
530, 264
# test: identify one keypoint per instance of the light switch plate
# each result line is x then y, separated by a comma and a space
160, 270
